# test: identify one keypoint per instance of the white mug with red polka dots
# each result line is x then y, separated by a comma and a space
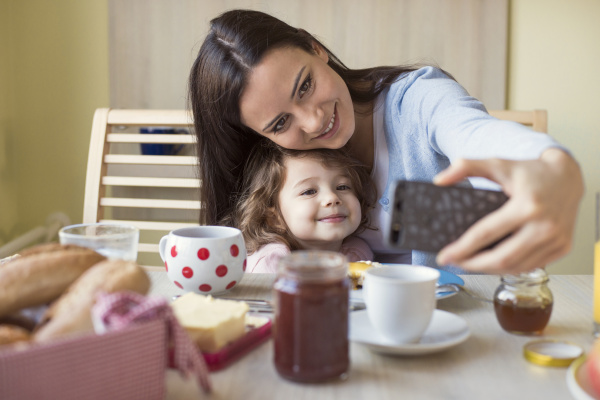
204, 259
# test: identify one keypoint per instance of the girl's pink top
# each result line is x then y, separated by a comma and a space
265, 259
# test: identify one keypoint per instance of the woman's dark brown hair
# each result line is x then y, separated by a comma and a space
237, 41
258, 214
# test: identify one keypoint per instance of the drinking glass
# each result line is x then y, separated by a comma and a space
111, 240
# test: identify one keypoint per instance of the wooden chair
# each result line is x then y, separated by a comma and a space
536, 119
159, 193
155, 192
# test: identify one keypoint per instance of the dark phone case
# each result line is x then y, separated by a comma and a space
427, 217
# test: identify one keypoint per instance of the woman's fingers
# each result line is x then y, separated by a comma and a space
492, 169
489, 229
524, 250
485, 232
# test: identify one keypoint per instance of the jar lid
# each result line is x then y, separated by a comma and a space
314, 265
536, 276
551, 353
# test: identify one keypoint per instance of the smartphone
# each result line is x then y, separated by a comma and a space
427, 217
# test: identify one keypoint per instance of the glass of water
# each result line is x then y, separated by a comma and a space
111, 240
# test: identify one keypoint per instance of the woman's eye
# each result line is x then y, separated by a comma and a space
280, 125
308, 192
306, 85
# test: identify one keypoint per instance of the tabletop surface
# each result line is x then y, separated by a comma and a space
488, 365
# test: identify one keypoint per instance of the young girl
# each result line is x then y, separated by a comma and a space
257, 78
311, 200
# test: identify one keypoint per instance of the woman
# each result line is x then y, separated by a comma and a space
257, 78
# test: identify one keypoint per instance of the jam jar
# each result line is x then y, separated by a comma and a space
311, 316
523, 303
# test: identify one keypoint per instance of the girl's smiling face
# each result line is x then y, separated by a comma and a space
318, 204
295, 99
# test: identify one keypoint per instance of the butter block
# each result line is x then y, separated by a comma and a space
211, 323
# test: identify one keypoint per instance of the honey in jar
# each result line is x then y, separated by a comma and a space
311, 317
523, 303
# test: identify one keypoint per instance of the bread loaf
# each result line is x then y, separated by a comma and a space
10, 334
71, 313
48, 248
27, 322
41, 274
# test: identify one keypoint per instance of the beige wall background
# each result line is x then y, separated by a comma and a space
54, 73
157, 41
554, 58
8, 198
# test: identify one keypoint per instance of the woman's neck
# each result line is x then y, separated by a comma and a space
362, 144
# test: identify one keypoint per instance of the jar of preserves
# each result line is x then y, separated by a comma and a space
311, 294
523, 303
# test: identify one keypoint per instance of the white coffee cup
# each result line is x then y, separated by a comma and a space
204, 259
400, 300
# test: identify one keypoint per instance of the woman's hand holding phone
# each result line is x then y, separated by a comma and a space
539, 217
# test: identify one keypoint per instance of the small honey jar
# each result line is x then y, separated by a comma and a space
523, 303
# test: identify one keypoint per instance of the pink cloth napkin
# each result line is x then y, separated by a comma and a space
117, 310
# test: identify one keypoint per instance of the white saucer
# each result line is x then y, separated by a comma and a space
444, 331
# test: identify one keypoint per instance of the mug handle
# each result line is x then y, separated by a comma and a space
161, 247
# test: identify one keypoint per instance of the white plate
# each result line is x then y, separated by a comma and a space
573, 384
444, 331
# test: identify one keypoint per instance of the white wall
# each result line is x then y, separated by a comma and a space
554, 63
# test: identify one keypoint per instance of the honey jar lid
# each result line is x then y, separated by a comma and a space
551, 353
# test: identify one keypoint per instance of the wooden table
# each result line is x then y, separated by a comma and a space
489, 365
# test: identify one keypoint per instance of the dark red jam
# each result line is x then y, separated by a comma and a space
311, 329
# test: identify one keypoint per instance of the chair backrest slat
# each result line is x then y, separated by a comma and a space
144, 179
536, 119
144, 138
150, 182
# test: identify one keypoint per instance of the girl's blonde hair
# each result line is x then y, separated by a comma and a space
258, 215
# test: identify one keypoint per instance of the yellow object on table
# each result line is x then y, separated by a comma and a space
597, 271
211, 323
597, 288
356, 272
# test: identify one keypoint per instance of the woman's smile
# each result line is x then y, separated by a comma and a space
332, 127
